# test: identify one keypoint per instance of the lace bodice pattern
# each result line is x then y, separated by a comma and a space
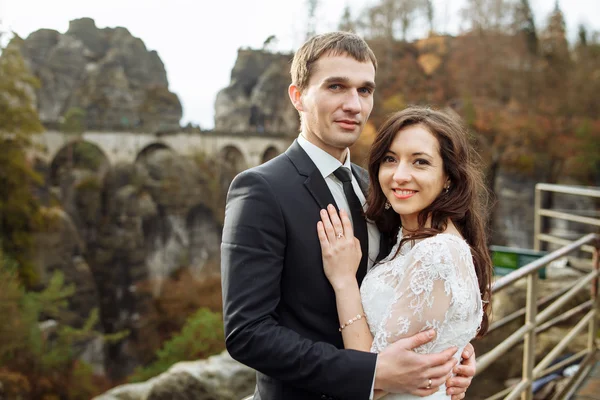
431, 284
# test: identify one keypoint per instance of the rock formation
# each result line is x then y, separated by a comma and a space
257, 99
219, 377
107, 73
120, 232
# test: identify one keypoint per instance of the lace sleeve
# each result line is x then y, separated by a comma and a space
431, 286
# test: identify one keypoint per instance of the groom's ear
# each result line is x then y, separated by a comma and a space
296, 97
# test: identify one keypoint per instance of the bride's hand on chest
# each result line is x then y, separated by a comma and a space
340, 250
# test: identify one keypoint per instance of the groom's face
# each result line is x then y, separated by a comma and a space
336, 103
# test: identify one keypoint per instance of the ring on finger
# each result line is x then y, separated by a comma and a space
429, 384
340, 235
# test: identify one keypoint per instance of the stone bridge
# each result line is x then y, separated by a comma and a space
248, 149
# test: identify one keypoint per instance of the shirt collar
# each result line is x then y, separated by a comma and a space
325, 162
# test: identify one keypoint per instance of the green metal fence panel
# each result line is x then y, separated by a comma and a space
508, 259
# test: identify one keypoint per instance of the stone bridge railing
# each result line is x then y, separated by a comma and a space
248, 148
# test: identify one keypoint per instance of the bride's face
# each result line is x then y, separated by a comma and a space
411, 174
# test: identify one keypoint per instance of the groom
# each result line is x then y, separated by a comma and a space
279, 310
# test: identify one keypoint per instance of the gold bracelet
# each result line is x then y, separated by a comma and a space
352, 320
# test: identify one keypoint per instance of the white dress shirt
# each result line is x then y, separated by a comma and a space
327, 164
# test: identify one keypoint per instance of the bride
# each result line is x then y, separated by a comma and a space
427, 194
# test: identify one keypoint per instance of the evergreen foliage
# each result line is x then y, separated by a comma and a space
39, 359
201, 336
19, 209
74, 121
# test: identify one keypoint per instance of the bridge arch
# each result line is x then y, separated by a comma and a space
232, 159
231, 162
128, 147
269, 153
80, 154
151, 148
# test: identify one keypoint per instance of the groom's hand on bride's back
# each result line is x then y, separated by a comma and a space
463, 374
401, 370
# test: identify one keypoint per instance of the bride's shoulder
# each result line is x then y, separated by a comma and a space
444, 237
442, 243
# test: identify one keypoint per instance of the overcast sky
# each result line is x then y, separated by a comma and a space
198, 39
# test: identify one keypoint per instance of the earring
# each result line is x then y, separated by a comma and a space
387, 205
446, 189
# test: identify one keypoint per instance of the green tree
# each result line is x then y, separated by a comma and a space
346, 23
430, 13
555, 45
524, 25
201, 336
582, 36
18, 116
73, 121
485, 15
269, 43
19, 209
311, 24
43, 356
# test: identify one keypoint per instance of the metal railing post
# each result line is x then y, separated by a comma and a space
529, 343
593, 330
537, 220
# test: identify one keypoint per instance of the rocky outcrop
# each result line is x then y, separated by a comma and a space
108, 73
515, 211
257, 99
514, 215
121, 233
218, 378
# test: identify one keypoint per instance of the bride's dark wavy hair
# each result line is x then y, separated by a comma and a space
466, 203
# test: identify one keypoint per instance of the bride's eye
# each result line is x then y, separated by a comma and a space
388, 159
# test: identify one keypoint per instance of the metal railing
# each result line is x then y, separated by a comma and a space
534, 321
567, 215
537, 321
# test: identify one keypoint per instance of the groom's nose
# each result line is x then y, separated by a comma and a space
352, 102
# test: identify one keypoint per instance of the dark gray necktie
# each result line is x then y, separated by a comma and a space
358, 220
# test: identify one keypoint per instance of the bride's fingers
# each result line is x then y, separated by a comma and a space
322, 237
328, 226
346, 223
335, 221
357, 246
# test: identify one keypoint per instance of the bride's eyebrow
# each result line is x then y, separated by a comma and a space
421, 153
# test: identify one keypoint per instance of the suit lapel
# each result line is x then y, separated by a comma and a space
362, 177
317, 186
314, 182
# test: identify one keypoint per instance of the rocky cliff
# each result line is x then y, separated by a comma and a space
256, 99
108, 73
125, 231
219, 377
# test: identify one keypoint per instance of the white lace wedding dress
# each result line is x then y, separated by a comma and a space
429, 285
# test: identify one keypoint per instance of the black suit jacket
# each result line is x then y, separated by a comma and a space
279, 309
